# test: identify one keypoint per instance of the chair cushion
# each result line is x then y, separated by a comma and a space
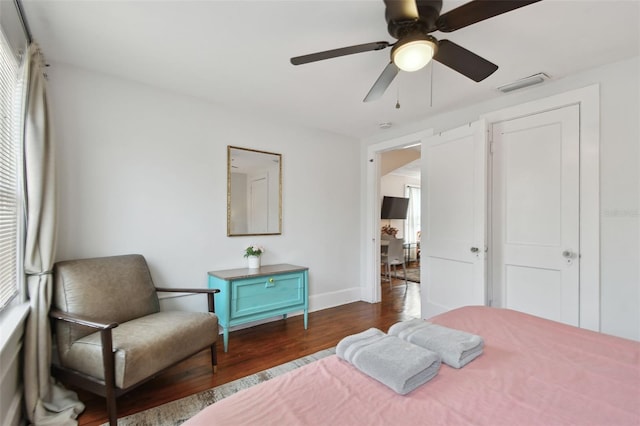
145, 346
107, 289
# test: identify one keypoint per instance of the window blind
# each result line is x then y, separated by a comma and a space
9, 171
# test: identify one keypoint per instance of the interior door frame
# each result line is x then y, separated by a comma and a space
371, 290
588, 100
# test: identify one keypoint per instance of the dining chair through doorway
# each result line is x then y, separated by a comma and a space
394, 256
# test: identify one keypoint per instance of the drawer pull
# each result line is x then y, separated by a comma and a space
270, 283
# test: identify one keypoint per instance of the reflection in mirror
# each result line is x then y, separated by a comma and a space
254, 192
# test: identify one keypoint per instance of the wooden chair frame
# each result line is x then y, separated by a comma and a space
107, 388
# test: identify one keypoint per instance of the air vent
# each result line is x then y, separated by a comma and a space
524, 82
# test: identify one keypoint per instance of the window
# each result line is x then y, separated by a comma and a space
10, 182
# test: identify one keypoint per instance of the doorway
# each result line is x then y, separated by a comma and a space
375, 171
399, 227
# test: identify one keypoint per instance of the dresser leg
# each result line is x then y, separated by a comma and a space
225, 338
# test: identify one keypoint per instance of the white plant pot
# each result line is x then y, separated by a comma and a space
254, 262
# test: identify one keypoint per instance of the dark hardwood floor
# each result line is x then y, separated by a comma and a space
257, 348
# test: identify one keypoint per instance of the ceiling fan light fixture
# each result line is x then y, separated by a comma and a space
414, 52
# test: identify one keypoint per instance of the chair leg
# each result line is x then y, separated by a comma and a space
214, 357
108, 360
112, 409
406, 284
110, 396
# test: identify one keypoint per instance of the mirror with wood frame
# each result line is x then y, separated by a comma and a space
254, 192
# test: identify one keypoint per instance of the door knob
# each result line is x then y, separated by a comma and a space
474, 249
568, 256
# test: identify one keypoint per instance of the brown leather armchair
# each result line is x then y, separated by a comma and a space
111, 335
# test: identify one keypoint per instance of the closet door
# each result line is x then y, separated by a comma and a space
454, 182
535, 214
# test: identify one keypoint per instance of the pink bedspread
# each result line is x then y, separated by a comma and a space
532, 372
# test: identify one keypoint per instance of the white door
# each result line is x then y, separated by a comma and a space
454, 219
259, 204
535, 214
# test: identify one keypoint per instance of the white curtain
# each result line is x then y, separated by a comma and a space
412, 224
47, 403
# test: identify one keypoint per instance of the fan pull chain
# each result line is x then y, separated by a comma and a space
398, 97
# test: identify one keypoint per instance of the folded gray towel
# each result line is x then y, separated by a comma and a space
389, 359
457, 348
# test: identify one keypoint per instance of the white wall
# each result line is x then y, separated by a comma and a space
238, 201
142, 170
394, 185
619, 179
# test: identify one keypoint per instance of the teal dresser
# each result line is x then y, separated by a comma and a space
253, 294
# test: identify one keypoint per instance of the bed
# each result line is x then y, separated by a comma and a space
532, 372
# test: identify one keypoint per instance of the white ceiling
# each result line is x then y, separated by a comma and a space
410, 170
236, 53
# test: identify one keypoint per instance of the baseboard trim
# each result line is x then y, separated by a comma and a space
335, 298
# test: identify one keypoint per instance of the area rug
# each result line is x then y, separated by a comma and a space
177, 412
413, 274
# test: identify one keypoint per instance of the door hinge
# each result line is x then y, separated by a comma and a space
491, 147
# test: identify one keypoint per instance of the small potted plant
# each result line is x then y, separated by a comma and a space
390, 231
253, 253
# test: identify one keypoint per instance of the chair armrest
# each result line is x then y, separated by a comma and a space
188, 290
208, 291
106, 337
65, 316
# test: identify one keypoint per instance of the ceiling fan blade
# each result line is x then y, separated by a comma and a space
381, 84
464, 61
400, 10
476, 11
343, 51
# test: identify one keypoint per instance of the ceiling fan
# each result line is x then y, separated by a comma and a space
410, 22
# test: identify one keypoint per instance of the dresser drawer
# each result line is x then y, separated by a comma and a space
266, 293
248, 295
